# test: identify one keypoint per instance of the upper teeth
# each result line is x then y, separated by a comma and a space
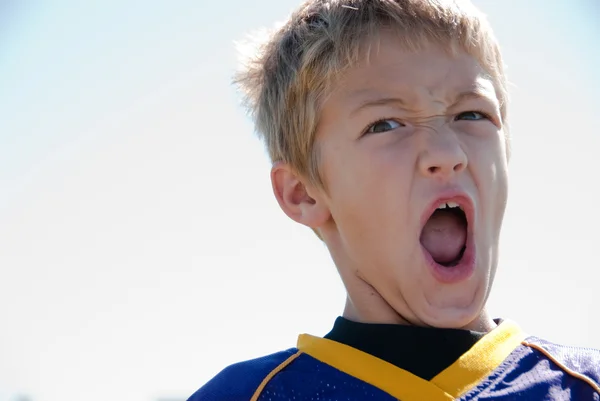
447, 205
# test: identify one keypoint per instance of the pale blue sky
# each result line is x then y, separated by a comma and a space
141, 249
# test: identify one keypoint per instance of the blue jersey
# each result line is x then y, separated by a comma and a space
504, 365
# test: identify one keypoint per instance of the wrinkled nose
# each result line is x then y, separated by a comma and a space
442, 158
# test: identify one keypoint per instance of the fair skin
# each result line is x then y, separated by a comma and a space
429, 143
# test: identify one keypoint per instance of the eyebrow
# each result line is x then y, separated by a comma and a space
478, 92
381, 101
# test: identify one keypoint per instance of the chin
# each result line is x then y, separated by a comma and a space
455, 319
454, 305
451, 316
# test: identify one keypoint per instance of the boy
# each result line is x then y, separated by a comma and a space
386, 124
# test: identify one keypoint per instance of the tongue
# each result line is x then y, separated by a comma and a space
444, 236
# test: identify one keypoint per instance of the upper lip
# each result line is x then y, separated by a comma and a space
457, 196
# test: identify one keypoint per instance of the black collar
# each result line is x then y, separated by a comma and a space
423, 351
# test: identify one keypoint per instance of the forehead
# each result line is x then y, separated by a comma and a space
430, 74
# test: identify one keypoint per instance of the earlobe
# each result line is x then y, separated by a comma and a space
294, 197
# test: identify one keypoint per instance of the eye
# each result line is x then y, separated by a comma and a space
471, 116
383, 126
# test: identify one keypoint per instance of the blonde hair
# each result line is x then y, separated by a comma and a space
286, 77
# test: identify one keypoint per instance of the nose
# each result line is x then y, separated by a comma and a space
442, 158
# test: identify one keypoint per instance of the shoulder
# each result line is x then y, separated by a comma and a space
239, 381
583, 363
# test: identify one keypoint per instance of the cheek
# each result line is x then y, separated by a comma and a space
369, 195
375, 172
499, 171
490, 172
501, 189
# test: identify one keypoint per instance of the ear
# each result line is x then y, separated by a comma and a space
301, 202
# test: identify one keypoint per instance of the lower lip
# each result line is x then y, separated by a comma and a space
455, 274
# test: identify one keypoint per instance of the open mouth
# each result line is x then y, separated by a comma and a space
444, 234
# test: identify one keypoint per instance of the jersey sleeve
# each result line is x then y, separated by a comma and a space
582, 363
238, 382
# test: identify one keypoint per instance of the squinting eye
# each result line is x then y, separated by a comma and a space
383, 126
471, 115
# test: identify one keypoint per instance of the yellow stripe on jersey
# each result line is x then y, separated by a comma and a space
397, 382
472, 367
478, 362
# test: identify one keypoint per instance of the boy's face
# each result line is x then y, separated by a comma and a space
398, 137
